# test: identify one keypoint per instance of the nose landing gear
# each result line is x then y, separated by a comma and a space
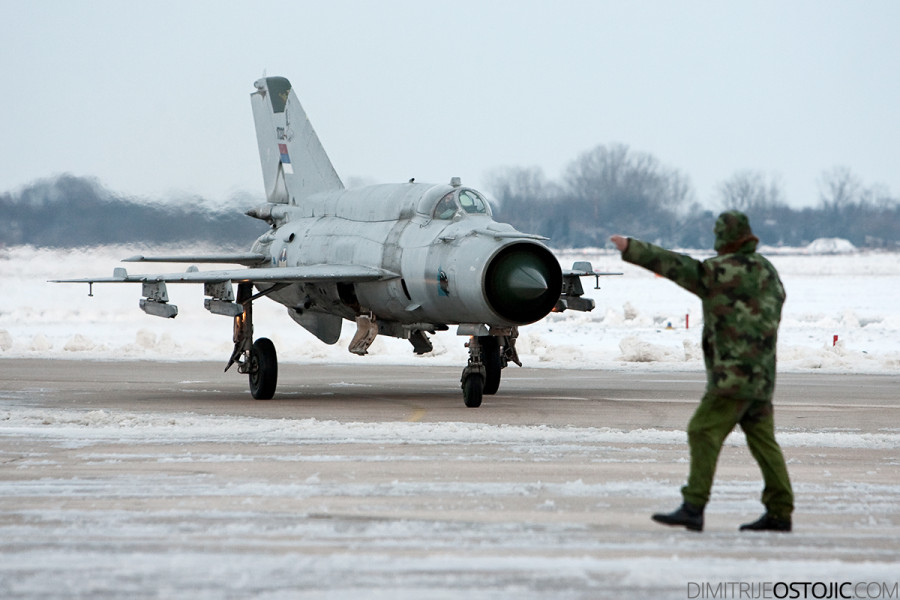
488, 356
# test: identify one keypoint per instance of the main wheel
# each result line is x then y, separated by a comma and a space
490, 358
473, 388
263, 369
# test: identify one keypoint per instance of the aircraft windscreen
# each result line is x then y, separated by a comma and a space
471, 202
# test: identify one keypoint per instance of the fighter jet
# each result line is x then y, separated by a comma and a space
403, 260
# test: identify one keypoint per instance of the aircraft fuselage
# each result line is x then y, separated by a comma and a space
453, 263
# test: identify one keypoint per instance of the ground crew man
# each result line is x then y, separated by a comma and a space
742, 297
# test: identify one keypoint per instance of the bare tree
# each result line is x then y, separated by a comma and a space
612, 180
839, 189
511, 185
749, 191
528, 201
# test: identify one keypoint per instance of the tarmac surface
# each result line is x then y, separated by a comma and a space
151, 479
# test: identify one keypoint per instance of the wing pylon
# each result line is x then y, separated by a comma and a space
219, 284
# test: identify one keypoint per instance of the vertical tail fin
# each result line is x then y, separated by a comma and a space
294, 163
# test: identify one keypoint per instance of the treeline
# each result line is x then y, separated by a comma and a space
70, 211
610, 189
613, 189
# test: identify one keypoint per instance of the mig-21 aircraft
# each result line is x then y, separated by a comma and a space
402, 260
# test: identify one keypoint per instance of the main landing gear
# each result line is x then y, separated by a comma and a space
257, 359
263, 369
488, 355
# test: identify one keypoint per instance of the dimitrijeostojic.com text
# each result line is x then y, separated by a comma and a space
779, 590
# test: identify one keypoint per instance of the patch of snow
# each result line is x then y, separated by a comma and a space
830, 246
639, 318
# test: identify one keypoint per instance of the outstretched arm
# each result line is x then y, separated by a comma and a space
680, 268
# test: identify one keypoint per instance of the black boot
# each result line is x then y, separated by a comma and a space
687, 515
767, 522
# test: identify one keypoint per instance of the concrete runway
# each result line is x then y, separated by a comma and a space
375, 393
142, 479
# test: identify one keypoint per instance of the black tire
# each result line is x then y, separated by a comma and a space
473, 388
490, 358
263, 369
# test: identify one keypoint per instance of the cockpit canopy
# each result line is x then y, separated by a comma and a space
466, 199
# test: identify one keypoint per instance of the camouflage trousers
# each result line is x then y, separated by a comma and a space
712, 422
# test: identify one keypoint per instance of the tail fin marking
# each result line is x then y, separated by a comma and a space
294, 163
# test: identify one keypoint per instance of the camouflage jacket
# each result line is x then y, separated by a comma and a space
742, 297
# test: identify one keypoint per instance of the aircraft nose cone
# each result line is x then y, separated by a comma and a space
523, 283
526, 283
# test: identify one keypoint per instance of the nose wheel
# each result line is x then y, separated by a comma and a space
473, 388
488, 354
490, 357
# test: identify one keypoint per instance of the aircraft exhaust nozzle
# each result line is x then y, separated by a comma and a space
523, 282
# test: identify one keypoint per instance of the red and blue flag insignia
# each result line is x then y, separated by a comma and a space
285, 157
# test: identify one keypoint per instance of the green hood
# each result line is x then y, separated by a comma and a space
733, 233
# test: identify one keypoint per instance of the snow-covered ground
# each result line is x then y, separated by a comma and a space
163, 504
167, 504
641, 321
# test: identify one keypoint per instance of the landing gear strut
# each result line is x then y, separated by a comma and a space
258, 360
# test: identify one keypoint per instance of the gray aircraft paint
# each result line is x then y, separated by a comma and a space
398, 259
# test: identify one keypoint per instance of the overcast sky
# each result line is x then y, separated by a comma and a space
152, 98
